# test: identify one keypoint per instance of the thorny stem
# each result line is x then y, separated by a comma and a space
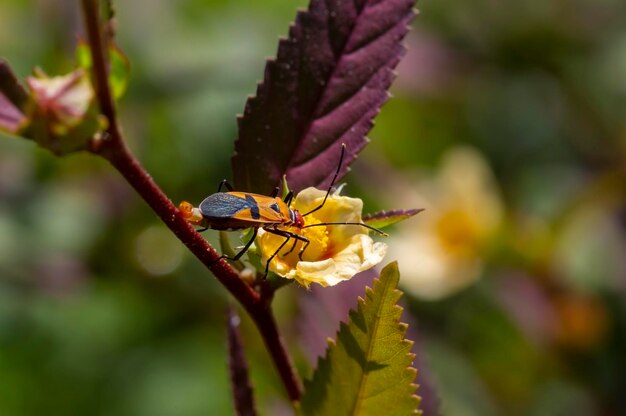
113, 148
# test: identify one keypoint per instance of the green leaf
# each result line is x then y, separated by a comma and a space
367, 371
119, 67
382, 219
120, 71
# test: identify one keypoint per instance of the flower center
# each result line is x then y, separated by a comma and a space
457, 232
318, 237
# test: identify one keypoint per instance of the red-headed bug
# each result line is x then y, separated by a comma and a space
234, 210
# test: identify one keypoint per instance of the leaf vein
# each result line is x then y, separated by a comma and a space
363, 381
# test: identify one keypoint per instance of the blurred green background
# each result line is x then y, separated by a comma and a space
508, 124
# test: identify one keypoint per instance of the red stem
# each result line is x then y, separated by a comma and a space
265, 322
113, 147
257, 306
139, 179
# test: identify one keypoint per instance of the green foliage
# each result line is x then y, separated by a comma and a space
119, 67
536, 87
367, 370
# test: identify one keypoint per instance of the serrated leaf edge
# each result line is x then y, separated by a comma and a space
403, 326
252, 99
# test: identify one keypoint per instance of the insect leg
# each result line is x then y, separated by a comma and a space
288, 236
293, 246
275, 192
245, 248
226, 184
343, 151
369, 227
241, 252
304, 247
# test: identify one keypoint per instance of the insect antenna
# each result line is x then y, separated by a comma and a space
349, 223
343, 151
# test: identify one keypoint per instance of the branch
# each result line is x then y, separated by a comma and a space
243, 395
113, 148
265, 322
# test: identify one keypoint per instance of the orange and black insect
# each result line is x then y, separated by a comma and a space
234, 210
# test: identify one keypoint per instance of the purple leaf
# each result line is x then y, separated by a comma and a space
13, 99
383, 219
323, 307
328, 81
238, 366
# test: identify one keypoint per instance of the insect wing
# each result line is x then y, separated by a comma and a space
269, 212
241, 206
223, 205
263, 208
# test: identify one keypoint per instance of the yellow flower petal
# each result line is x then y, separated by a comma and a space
442, 253
335, 253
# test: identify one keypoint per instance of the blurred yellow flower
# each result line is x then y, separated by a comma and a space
441, 254
336, 252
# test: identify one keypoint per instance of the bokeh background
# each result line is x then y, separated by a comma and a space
508, 124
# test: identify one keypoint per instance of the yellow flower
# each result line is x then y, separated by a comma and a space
443, 252
335, 253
